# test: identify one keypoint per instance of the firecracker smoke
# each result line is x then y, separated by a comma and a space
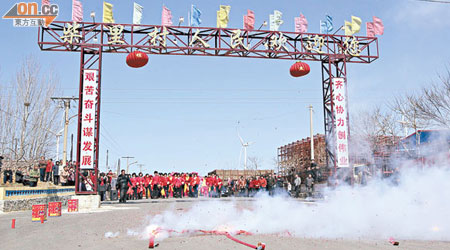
417, 207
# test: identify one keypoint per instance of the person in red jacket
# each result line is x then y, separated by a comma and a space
219, 185
262, 183
48, 170
165, 185
187, 185
141, 187
134, 186
257, 184
156, 186
177, 186
197, 182
251, 187
183, 184
170, 183
210, 184
150, 184
213, 186
146, 185
191, 185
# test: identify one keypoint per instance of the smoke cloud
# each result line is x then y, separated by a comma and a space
111, 234
417, 208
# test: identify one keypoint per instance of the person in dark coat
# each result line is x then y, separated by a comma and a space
309, 185
102, 186
7, 175
270, 184
55, 170
42, 167
122, 184
19, 176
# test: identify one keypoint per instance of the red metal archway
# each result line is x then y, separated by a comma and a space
91, 40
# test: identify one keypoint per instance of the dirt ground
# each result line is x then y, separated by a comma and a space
86, 230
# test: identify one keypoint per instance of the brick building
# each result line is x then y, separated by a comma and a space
235, 174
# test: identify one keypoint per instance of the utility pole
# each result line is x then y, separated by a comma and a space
311, 130
107, 167
128, 157
66, 101
140, 167
118, 167
404, 124
71, 147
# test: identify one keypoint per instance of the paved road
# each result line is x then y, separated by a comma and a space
86, 230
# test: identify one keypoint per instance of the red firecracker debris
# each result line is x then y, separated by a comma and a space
393, 241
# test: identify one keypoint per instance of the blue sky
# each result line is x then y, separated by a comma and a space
180, 113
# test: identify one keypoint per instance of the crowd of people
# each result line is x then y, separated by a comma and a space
161, 185
45, 171
179, 185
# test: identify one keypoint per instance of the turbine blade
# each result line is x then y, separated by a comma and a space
240, 138
240, 155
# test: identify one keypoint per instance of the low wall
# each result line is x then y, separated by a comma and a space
23, 198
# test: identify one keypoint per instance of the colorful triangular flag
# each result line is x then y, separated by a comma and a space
108, 16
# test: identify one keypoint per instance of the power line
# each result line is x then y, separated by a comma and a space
111, 146
112, 138
212, 102
433, 1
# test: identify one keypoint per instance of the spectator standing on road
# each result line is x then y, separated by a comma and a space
309, 184
7, 175
42, 167
156, 189
279, 183
241, 186
270, 184
122, 185
197, 182
71, 178
34, 176
48, 170
147, 183
102, 185
56, 173
19, 176
1, 163
64, 176
262, 183
289, 187
297, 184
317, 174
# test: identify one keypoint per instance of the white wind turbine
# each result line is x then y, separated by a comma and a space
244, 148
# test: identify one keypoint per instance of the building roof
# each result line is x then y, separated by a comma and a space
426, 137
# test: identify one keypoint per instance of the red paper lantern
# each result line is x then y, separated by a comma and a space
137, 59
299, 69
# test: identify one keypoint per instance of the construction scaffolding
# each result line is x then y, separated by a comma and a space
295, 157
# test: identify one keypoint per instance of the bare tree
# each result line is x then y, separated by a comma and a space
276, 163
255, 162
27, 116
433, 105
407, 107
371, 130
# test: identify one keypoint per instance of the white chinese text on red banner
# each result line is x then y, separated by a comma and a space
341, 122
88, 119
